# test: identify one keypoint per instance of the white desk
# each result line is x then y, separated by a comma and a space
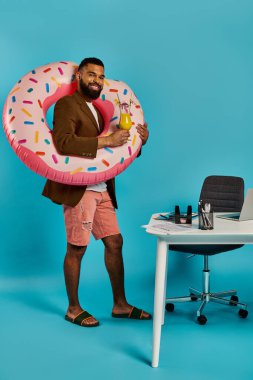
224, 232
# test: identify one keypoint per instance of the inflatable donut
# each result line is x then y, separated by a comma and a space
26, 128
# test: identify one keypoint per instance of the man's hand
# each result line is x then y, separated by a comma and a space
143, 132
117, 138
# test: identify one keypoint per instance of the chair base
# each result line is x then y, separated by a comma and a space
206, 296
218, 297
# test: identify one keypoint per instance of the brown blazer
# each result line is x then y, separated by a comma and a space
74, 133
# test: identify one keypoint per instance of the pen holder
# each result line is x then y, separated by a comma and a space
206, 220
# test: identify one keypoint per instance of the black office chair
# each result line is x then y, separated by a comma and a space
225, 194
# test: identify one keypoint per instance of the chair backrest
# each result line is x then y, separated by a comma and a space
224, 193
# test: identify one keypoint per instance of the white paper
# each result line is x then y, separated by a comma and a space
167, 228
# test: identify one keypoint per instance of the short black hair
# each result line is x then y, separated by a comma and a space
93, 60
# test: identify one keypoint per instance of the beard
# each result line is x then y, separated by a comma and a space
89, 92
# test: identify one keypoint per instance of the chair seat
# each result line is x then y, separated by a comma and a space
205, 249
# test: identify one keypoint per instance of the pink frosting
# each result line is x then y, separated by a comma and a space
38, 165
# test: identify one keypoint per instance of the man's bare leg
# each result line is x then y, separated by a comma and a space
115, 267
72, 266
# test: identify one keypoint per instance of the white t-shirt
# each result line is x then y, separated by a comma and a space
93, 110
101, 186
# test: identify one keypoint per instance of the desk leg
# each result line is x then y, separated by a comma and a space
165, 289
159, 298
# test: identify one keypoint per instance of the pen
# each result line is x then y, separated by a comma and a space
164, 216
206, 219
207, 207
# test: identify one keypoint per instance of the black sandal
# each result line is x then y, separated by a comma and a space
81, 318
133, 314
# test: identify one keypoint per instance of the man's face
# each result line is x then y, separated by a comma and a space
91, 81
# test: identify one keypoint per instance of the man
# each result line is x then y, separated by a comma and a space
89, 209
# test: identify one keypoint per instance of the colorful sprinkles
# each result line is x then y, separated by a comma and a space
78, 170
33, 80
108, 150
15, 90
26, 114
36, 137
106, 163
55, 158
54, 80
60, 70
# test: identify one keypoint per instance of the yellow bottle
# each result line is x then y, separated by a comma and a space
125, 121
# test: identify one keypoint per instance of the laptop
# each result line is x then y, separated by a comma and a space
246, 212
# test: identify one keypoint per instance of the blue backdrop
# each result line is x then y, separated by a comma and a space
190, 64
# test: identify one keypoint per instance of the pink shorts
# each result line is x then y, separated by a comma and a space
93, 214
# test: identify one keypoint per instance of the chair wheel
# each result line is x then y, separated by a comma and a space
202, 319
193, 297
243, 313
170, 307
234, 300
